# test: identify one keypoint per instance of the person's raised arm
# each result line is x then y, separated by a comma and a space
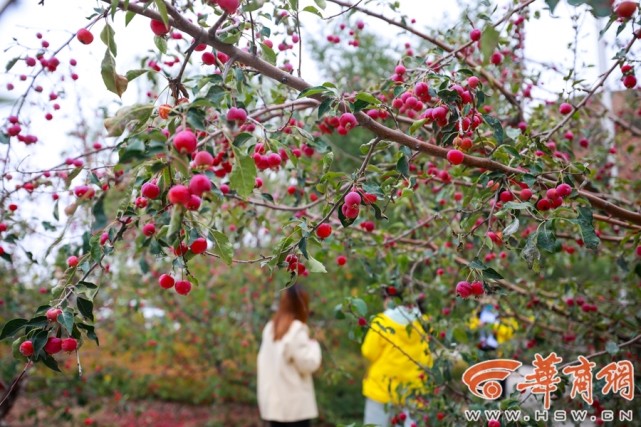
304, 351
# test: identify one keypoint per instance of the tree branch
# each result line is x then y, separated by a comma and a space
383, 132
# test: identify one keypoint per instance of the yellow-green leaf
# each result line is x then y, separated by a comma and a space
162, 9
243, 176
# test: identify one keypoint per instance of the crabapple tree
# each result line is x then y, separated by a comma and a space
442, 173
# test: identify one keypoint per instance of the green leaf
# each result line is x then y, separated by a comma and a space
85, 307
90, 331
134, 149
136, 115
612, 347
88, 285
252, 6
129, 16
513, 133
56, 214
315, 266
586, 225
491, 274
39, 341
321, 3
74, 173
360, 306
324, 107
223, 248
50, 363
107, 37
546, 239
243, 175
302, 245
459, 335
279, 251
175, 223
216, 94
417, 125
315, 90
268, 53
113, 81
313, 10
66, 320
370, 99
552, 4
518, 205
378, 214
162, 9
98, 211
328, 159
114, 8
11, 63
37, 322
7, 257
489, 41
403, 166
230, 37
12, 327
511, 228
196, 118
132, 74
242, 138
600, 8
499, 135
477, 264
161, 44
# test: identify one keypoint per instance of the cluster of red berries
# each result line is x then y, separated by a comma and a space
465, 289
629, 79
342, 124
351, 208
271, 161
294, 265
554, 197
190, 197
237, 115
183, 287
399, 419
581, 302
354, 41
368, 226
15, 130
54, 344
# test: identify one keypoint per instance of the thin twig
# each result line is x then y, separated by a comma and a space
344, 11
591, 93
212, 30
15, 382
348, 188
604, 352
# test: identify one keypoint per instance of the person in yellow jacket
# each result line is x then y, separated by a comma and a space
397, 350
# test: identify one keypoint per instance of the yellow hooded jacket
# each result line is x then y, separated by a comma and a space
388, 366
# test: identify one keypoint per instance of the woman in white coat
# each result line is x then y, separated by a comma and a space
286, 360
